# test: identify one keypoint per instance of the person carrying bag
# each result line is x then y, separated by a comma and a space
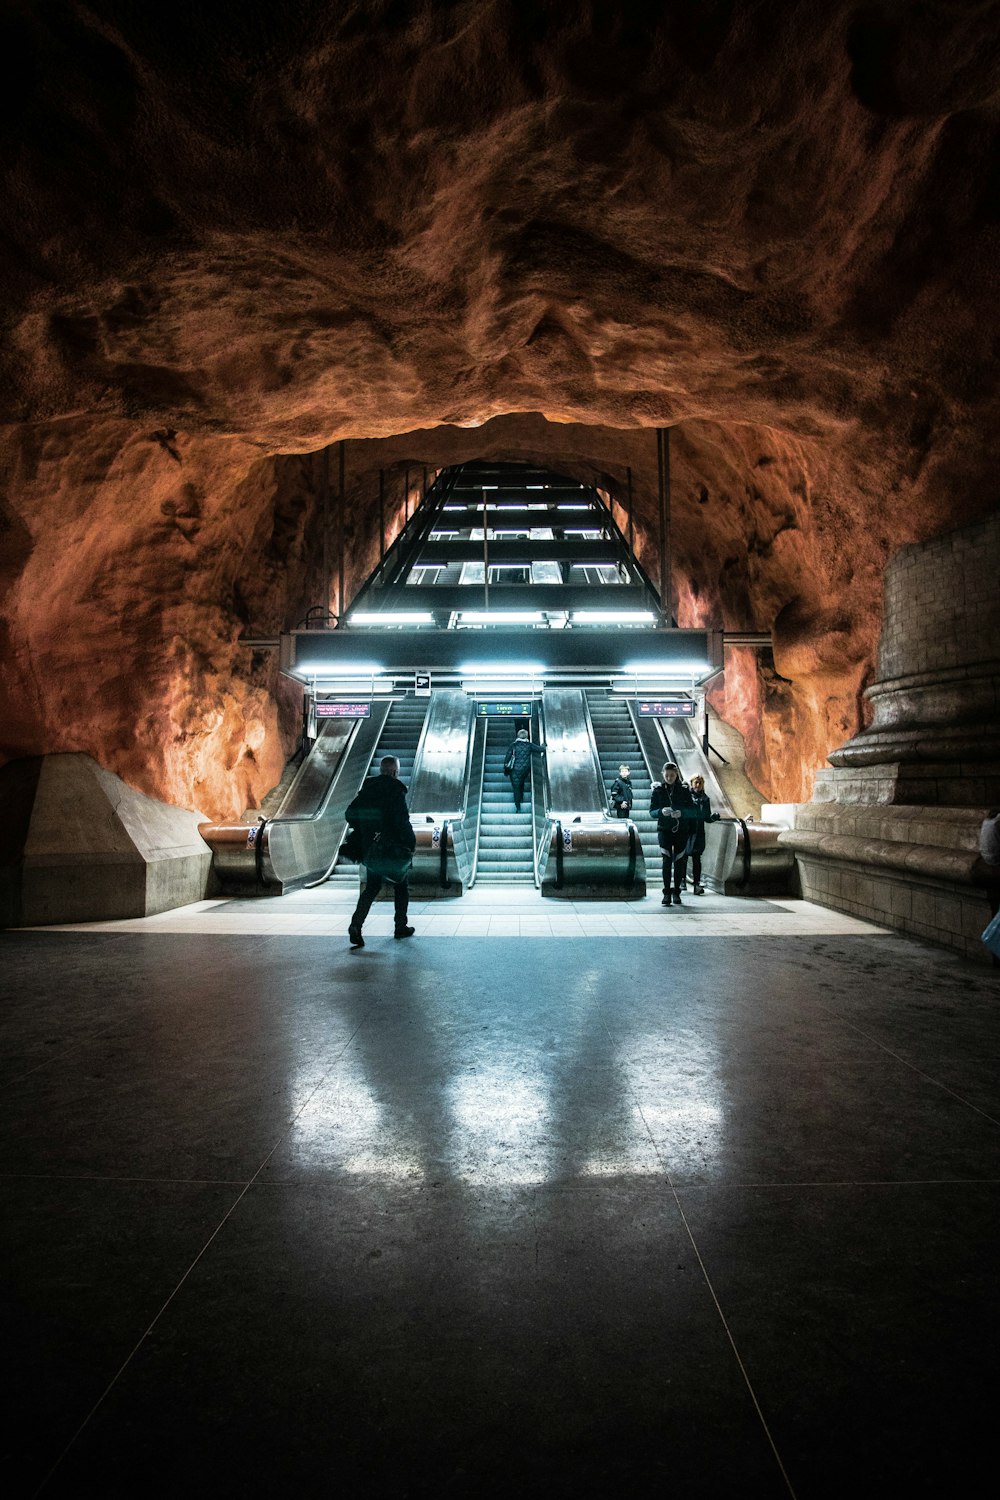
382, 832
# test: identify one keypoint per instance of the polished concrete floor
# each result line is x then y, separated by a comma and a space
658, 1210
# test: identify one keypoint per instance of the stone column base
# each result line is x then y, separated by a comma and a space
914, 869
79, 845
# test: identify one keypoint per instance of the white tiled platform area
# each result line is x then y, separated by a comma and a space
499, 912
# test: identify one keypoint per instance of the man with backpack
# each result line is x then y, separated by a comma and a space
517, 764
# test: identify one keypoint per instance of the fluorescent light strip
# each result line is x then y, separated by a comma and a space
613, 617
345, 687
665, 668
501, 616
341, 669
652, 687
494, 669
391, 617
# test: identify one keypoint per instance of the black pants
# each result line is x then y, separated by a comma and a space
517, 782
400, 896
696, 866
673, 847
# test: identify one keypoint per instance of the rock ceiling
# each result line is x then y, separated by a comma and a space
235, 233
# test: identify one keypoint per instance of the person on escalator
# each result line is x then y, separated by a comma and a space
379, 811
517, 764
703, 806
620, 796
672, 805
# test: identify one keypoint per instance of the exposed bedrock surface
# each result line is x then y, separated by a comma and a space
234, 234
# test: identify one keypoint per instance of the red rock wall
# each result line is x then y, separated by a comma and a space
132, 563
774, 228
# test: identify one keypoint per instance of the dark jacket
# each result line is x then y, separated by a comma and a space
621, 791
703, 806
519, 755
380, 807
667, 804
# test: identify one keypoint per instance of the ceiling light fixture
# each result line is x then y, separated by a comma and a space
501, 616
613, 617
366, 618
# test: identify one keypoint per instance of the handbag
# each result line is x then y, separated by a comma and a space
991, 937
388, 858
353, 847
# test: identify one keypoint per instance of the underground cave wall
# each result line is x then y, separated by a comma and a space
132, 564
135, 561
139, 559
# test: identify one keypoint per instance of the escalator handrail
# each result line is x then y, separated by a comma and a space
482, 779
443, 874
633, 836
258, 854
536, 838
747, 850
283, 819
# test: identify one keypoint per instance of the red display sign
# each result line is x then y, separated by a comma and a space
329, 710
656, 708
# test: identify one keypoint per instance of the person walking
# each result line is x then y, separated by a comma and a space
672, 806
380, 811
622, 791
703, 807
517, 764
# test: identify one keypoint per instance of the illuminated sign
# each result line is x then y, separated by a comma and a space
656, 708
511, 710
329, 710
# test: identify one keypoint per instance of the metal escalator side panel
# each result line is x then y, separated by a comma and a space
573, 770
541, 832
308, 790
302, 850
693, 761
466, 837
240, 851
653, 744
438, 785
439, 791
724, 841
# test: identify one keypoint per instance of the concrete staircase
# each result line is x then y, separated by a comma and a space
505, 850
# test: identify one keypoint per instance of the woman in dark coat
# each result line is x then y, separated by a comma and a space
703, 806
671, 805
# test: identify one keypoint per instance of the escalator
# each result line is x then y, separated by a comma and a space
298, 845
617, 744
400, 737
506, 854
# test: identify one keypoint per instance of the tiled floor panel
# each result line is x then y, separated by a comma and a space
708, 1213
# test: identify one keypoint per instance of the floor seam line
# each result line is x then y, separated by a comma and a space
920, 1072
194, 1263
711, 1289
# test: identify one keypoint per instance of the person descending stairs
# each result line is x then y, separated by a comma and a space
505, 836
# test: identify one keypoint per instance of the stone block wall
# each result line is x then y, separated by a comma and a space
942, 602
892, 831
